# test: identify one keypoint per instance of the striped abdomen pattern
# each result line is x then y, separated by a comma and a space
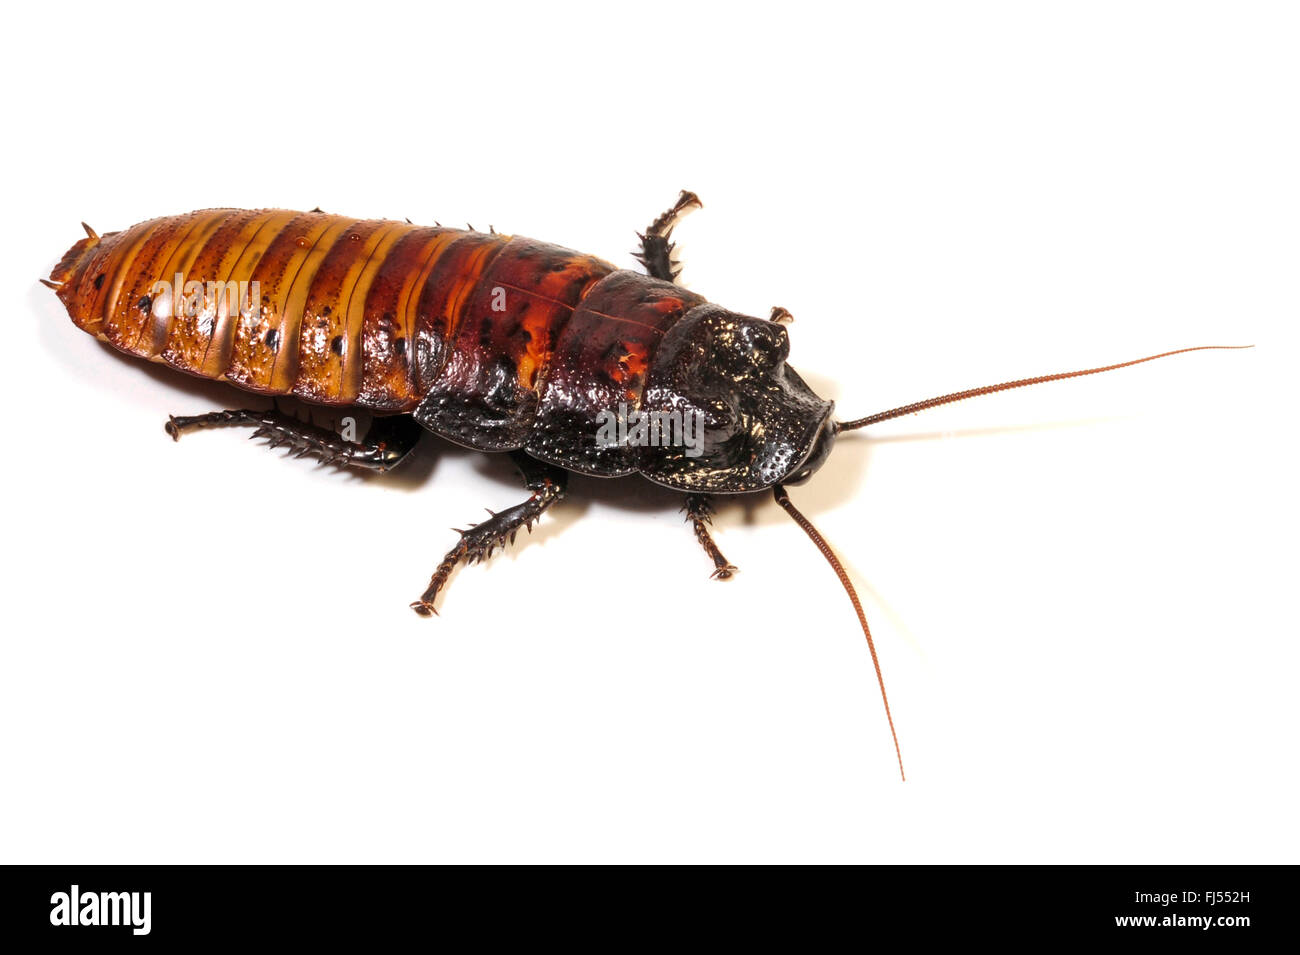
482, 333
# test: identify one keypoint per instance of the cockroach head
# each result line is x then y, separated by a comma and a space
756, 423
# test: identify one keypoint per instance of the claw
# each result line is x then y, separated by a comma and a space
424, 609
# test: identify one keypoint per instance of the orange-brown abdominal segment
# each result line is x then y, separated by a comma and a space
325, 336
388, 332
129, 312
110, 310
221, 311
437, 301
180, 263
140, 298
256, 353
188, 331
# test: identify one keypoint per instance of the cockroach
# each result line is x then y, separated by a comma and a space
495, 342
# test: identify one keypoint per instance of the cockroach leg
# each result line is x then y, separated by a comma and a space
480, 541
699, 511
656, 250
387, 443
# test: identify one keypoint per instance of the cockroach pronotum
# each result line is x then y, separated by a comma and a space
495, 342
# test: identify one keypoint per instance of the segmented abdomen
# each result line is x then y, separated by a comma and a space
335, 310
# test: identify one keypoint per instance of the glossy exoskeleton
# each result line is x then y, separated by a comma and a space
495, 342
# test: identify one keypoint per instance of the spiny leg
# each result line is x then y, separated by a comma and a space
656, 250
388, 441
481, 540
699, 511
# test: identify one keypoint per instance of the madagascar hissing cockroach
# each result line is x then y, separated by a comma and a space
495, 342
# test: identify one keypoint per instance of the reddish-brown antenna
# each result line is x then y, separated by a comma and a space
784, 500
1008, 385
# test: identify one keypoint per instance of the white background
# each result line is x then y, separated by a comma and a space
1082, 593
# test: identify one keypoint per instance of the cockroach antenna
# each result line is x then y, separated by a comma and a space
1008, 385
783, 499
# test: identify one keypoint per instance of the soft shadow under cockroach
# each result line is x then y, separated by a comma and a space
495, 342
